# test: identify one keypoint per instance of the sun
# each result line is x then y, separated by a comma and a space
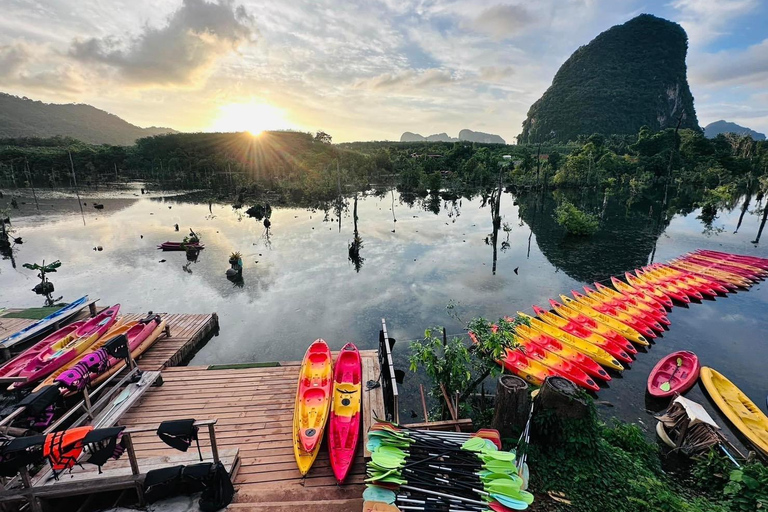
253, 117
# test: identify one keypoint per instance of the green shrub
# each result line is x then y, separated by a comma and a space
575, 221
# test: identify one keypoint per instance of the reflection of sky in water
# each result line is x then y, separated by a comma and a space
303, 286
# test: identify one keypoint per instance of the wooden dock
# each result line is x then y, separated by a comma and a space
254, 407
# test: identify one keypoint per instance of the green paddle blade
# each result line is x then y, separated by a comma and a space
474, 444
510, 502
373, 493
679, 361
500, 466
665, 386
503, 456
510, 486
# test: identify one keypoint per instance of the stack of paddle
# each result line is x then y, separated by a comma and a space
432, 471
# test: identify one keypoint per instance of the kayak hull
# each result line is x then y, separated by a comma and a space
677, 371
67, 349
313, 404
737, 407
44, 325
344, 423
13, 367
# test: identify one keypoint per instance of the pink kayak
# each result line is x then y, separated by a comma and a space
62, 352
180, 246
675, 373
12, 368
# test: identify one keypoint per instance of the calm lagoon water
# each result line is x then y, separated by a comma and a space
299, 283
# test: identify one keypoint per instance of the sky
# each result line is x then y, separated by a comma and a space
362, 70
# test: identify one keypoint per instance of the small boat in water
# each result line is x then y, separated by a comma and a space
181, 246
740, 410
675, 373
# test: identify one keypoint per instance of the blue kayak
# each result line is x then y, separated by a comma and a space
45, 324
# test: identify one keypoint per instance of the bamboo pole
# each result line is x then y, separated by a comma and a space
29, 178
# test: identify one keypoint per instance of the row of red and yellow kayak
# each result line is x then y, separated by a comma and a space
585, 334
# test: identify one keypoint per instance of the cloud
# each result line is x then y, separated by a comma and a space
36, 67
705, 21
496, 73
503, 21
408, 79
748, 67
183, 52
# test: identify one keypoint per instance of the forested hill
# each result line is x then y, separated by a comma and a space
23, 117
712, 130
629, 76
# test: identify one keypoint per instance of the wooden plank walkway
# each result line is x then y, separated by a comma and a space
187, 333
254, 408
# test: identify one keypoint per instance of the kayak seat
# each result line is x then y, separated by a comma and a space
347, 400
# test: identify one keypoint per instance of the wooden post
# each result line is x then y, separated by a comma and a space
560, 396
87, 401
423, 403
513, 403
5, 352
92, 309
33, 502
214, 447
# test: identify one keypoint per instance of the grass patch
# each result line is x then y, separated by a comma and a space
242, 366
600, 468
576, 222
33, 313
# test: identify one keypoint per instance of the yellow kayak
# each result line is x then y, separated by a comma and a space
600, 355
742, 412
622, 328
313, 404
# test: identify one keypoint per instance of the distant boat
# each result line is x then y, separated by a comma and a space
181, 246
45, 324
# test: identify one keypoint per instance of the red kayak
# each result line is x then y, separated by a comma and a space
181, 246
13, 367
675, 373
562, 366
618, 299
750, 260
344, 431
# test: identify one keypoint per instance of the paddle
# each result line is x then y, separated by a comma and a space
666, 386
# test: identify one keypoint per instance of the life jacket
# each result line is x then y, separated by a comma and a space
102, 445
76, 378
179, 434
39, 406
117, 347
62, 449
19, 452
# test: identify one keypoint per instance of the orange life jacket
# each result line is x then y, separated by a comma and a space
63, 448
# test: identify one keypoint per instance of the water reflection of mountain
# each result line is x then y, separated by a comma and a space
626, 238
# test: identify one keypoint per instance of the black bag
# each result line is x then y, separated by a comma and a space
162, 483
219, 490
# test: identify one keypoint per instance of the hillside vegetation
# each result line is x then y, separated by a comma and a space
630, 76
23, 117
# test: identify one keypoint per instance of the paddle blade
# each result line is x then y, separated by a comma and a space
373, 493
665, 386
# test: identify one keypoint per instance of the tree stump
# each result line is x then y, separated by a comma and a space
560, 396
512, 406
